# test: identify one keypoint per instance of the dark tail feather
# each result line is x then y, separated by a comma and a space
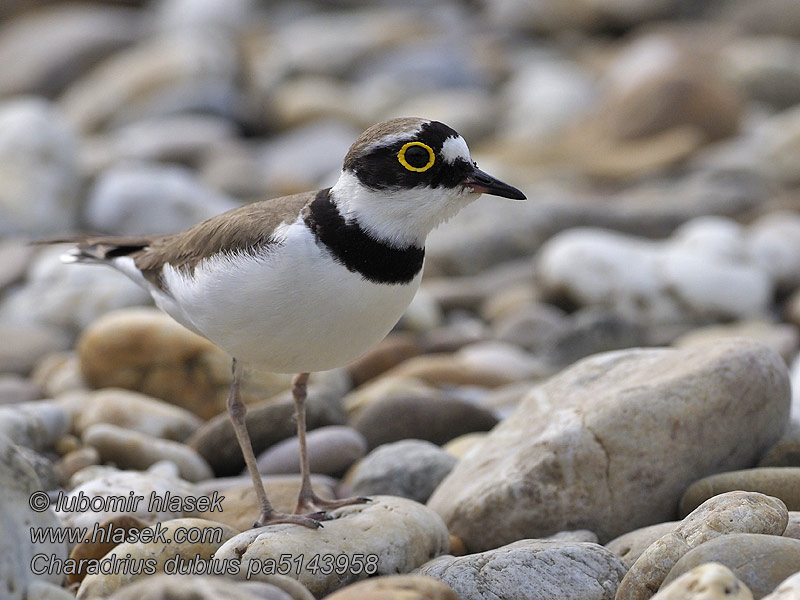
94, 249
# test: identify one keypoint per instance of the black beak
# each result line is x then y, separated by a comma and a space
483, 183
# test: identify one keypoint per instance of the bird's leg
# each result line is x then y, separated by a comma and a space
237, 411
308, 500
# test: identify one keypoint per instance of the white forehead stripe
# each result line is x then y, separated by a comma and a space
390, 140
454, 148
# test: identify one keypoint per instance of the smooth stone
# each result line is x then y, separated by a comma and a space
400, 534
710, 581
210, 535
789, 589
770, 241
68, 296
782, 151
781, 337
589, 433
47, 591
630, 546
390, 352
15, 258
408, 468
793, 527
761, 562
144, 350
766, 68
160, 479
133, 411
17, 482
504, 358
531, 569
422, 314
37, 424
74, 461
240, 508
629, 274
42, 51
25, 344
578, 535
135, 197
268, 423
450, 369
458, 447
39, 179
780, 482
96, 546
382, 387
331, 450
396, 587
435, 419
189, 14
177, 139
184, 71
138, 451
15, 389
722, 516
197, 587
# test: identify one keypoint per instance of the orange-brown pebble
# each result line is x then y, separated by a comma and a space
95, 548
393, 350
396, 587
457, 546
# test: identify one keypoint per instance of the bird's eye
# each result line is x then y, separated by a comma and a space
416, 156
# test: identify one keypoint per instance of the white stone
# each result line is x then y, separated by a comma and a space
711, 581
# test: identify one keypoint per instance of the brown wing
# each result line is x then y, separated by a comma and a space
240, 229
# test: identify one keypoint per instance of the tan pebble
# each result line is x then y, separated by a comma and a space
711, 581
459, 446
393, 350
457, 547
73, 462
396, 587
66, 444
446, 369
729, 513
780, 482
107, 536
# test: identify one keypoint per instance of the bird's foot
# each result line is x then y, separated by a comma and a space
310, 520
311, 501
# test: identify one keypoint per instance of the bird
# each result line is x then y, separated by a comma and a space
311, 281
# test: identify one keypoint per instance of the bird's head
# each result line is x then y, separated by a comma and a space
403, 177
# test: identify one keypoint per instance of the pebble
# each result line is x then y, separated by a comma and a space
780, 482
711, 581
166, 556
447, 369
391, 351
105, 481
793, 528
458, 447
630, 546
181, 71
409, 468
15, 389
765, 68
96, 547
38, 149
759, 561
781, 337
789, 589
68, 296
17, 482
589, 432
782, 141
268, 423
198, 587
44, 50
135, 198
531, 569
37, 424
26, 344
602, 268
434, 419
396, 587
331, 450
144, 350
138, 451
722, 516
396, 535
74, 461
133, 411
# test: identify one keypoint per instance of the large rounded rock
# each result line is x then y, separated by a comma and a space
18, 482
386, 536
146, 351
611, 443
781, 482
761, 562
727, 514
710, 581
538, 569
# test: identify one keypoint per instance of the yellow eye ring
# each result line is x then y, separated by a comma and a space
401, 156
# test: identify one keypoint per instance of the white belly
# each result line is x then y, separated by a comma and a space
291, 310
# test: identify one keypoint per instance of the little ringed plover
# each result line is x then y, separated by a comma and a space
308, 282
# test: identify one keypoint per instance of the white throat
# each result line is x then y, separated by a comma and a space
400, 218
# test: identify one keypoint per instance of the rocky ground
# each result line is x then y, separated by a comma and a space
590, 397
